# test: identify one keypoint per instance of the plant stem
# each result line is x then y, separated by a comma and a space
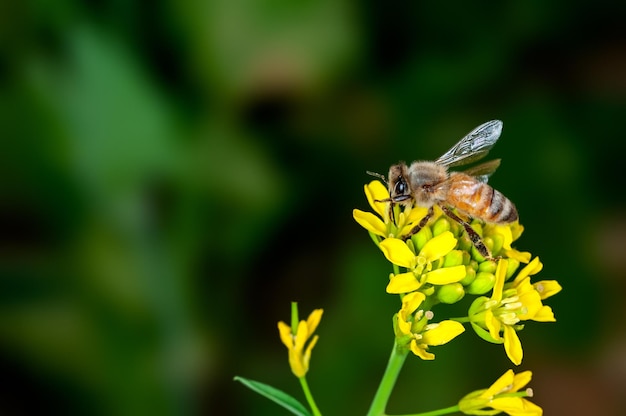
462, 319
309, 396
396, 361
440, 412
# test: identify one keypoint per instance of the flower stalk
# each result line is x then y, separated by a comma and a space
388, 382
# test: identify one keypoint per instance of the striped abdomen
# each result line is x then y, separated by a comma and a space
479, 200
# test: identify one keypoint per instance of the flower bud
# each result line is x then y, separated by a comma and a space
456, 229
476, 255
450, 293
470, 275
473, 264
421, 238
428, 291
466, 258
482, 284
487, 266
464, 243
453, 258
488, 242
478, 227
440, 226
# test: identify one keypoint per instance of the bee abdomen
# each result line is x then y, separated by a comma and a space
479, 200
495, 207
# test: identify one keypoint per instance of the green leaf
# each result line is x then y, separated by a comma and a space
277, 396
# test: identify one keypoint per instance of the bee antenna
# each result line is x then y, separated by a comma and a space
377, 175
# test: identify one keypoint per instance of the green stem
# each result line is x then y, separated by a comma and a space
461, 319
439, 412
309, 396
396, 360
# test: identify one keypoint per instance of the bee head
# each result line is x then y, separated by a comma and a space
399, 189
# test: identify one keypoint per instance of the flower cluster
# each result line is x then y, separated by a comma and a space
439, 264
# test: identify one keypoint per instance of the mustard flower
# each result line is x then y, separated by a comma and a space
423, 267
532, 294
502, 396
382, 225
508, 306
295, 342
412, 328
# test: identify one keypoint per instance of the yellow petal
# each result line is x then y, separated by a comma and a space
521, 379
375, 190
286, 337
415, 215
547, 288
314, 319
530, 299
411, 301
516, 230
302, 334
545, 314
296, 363
503, 264
403, 324
512, 345
439, 246
516, 406
493, 325
530, 269
397, 252
500, 385
446, 275
521, 256
441, 333
307, 354
403, 283
370, 222
420, 351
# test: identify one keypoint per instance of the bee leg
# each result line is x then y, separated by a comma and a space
473, 235
391, 216
420, 225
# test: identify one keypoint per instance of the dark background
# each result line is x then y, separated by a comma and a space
175, 173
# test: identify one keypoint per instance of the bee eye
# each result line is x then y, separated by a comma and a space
401, 187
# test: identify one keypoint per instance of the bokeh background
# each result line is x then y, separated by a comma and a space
175, 173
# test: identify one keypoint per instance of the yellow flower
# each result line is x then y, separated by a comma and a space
529, 293
423, 267
382, 225
299, 357
413, 328
502, 396
509, 304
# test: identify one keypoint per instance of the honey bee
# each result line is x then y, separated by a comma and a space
427, 184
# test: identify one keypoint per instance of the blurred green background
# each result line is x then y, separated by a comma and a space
175, 173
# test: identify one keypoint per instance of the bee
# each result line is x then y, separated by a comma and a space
426, 184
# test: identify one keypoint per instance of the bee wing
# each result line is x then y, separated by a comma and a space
483, 171
475, 145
